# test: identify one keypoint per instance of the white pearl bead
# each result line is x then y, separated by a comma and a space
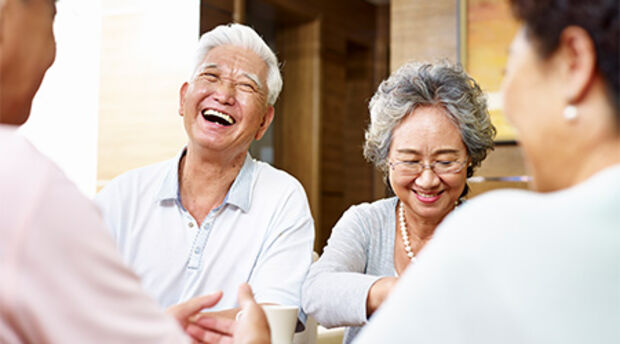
404, 234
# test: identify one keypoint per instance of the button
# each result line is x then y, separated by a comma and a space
191, 225
197, 250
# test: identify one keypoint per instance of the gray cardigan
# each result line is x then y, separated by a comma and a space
359, 251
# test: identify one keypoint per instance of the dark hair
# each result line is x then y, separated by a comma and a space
545, 19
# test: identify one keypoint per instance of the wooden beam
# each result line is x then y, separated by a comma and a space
239, 11
298, 124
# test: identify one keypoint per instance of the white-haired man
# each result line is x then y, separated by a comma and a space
212, 217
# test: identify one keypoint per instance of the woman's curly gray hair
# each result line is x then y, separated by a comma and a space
424, 84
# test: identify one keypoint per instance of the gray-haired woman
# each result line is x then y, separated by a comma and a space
429, 129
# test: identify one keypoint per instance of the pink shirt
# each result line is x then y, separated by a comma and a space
61, 278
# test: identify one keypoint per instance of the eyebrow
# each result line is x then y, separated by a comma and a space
204, 66
254, 78
208, 65
250, 76
437, 152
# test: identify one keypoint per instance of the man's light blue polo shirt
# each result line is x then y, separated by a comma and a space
262, 234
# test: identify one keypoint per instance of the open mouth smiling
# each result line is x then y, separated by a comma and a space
217, 117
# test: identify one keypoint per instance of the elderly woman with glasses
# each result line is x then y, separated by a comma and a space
429, 128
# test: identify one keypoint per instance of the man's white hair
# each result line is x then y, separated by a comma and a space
245, 37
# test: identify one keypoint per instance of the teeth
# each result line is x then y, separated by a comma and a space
210, 112
427, 195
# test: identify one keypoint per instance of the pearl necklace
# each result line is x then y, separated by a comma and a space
404, 234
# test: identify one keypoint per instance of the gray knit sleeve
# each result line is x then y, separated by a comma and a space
337, 285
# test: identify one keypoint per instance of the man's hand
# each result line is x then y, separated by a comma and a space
184, 311
250, 328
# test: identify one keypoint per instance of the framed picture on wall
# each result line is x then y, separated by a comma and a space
486, 29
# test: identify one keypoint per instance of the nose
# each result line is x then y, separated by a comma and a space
427, 179
225, 92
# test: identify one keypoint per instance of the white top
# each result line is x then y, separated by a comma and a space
262, 234
515, 267
61, 278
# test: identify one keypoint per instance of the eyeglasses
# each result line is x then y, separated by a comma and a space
414, 168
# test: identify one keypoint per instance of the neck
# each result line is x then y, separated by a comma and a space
422, 227
597, 158
593, 144
205, 180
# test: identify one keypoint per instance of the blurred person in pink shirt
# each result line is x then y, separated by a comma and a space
62, 280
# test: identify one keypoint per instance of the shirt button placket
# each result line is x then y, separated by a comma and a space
194, 258
200, 242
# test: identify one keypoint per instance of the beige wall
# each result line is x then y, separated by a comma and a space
146, 53
422, 30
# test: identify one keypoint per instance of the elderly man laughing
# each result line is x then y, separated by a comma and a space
213, 217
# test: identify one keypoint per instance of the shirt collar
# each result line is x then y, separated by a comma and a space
241, 189
238, 194
170, 185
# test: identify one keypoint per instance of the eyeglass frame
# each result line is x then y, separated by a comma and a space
430, 166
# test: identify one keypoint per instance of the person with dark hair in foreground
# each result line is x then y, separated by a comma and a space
534, 267
62, 280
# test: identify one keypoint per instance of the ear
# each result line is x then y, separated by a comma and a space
577, 56
267, 119
182, 97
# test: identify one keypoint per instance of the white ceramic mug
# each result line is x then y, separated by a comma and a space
282, 322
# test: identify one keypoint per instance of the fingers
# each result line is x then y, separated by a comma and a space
245, 296
202, 335
186, 309
221, 325
252, 325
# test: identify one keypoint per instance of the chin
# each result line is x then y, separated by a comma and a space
17, 114
432, 213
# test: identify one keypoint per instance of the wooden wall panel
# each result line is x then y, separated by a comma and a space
358, 173
139, 87
382, 71
354, 19
333, 120
297, 130
348, 78
214, 13
422, 30
322, 111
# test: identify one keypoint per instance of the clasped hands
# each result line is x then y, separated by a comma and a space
250, 327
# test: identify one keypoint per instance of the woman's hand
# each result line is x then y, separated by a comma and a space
378, 292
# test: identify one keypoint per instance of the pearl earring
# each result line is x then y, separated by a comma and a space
570, 113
